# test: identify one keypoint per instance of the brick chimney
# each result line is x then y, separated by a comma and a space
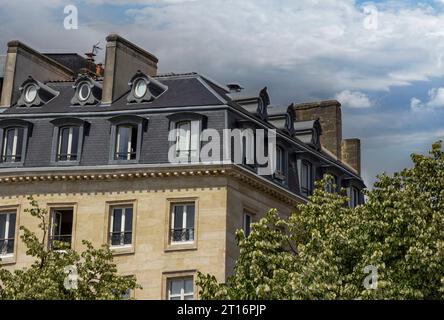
329, 114
122, 60
351, 153
22, 62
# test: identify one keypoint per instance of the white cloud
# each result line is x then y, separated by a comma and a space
436, 100
353, 99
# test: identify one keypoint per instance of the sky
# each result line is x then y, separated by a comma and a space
383, 60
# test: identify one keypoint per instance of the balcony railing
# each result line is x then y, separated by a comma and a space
67, 157
11, 158
125, 155
120, 238
182, 235
6, 246
60, 241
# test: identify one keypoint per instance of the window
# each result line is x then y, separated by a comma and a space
68, 143
354, 197
140, 88
13, 140
30, 93
187, 139
182, 223
121, 226
126, 142
7, 233
306, 178
181, 289
60, 236
247, 223
84, 91
280, 164
332, 184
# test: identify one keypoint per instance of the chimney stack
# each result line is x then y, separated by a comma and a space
351, 153
329, 115
122, 60
22, 62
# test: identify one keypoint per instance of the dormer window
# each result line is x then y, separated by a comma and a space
144, 88
13, 138
68, 136
140, 88
35, 93
30, 93
12, 144
126, 138
84, 91
87, 91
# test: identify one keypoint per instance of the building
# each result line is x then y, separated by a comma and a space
94, 150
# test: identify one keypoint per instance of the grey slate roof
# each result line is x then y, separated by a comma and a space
276, 111
183, 90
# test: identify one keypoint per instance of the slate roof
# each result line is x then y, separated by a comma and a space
183, 90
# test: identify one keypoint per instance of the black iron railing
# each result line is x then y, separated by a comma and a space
182, 235
120, 238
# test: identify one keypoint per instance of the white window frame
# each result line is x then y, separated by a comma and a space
6, 235
182, 294
309, 166
130, 138
14, 144
192, 137
69, 149
122, 225
184, 221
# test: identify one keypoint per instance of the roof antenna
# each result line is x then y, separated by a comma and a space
90, 61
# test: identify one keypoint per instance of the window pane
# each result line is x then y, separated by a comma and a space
190, 216
117, 220
19, 146
133, 143
74, 143
63, 144
279, 167
2, 226
128, 219
176, 287
12, 218
188, 286
123, 141
247, 223
178, 217
183, 138
12, 144
194, 143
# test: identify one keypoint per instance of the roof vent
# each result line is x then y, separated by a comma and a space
234, 87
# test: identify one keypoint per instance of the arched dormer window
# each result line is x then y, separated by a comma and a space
126, 138
67, 142
185, 130
33, 93
14, 134
87, 91
144, 88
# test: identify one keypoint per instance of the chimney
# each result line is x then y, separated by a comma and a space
22, 62
351, 153
329, 115
122, 60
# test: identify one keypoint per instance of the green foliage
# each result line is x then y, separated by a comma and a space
63, 274
321, 251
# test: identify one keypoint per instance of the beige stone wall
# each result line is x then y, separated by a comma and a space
351, 153
243, 198
151, 260
220, 203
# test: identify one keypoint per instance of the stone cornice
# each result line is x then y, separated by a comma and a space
234, 171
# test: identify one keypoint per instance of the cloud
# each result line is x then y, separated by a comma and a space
353, 99
436, 100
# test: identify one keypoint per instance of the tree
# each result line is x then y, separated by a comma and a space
391, 247
63, 274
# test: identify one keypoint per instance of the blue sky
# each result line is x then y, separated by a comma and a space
384, 60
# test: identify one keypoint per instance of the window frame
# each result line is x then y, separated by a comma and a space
244, 222
8, 124
59, 125
306, 191
182, 117
182, 294
64, 207
8, 212
184, 222
123, 230
354, 197
126, 120
126, 249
